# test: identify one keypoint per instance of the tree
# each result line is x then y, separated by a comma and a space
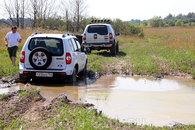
78, 9
171, 23
65, 9
118, 25
156, 21
12, 8
192, 24
43, 8
144, 24
179, 23
23, 5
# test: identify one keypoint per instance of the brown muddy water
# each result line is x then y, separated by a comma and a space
142, 100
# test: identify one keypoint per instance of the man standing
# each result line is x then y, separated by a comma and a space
13, 38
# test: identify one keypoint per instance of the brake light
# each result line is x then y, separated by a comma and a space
22, 57
84, 37
110, 35
68, 58
25, 72
63, 73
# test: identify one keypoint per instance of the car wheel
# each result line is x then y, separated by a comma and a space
23, 79
84, 72
74, 76
90, 50
113, 49
117, 48
40, 58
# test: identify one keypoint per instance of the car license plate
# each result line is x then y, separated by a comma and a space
44, 74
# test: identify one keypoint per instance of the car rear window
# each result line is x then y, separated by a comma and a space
54, 45
100, 29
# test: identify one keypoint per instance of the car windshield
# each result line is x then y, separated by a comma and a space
54, 45
100, 29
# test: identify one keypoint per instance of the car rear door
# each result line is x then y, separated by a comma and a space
80, 56
97, 34
54, 45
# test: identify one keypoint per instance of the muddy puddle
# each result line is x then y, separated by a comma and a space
142, 100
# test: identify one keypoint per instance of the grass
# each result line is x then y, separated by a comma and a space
6, 68
163, 51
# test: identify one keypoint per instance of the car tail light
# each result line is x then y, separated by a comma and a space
25, 72
68, 58
63, 73
22, 57
110, 35
84, 37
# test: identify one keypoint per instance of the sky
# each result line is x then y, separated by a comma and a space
139, 9
136, 9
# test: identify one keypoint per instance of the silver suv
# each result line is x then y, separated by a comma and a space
100, 36
52, 56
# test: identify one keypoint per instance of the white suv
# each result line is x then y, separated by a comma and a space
100, 36
55, 56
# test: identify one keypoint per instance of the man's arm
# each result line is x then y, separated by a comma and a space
6, 44
20, 40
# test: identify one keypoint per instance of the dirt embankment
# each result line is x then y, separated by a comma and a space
30, 106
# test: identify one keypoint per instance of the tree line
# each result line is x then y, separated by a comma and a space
170, 21
48, 14
42, 13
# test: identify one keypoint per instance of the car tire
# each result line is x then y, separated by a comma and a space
113, 49
74, 76
23, 79
117, 48
90, 50
84, 71
45, 53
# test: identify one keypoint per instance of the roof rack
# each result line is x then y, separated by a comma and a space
101, 21
67, 34
35, 33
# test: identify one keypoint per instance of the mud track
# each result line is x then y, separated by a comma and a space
31, 107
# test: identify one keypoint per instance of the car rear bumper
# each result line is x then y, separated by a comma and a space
56, 75
95, 45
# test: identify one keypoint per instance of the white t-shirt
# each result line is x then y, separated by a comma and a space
13, 38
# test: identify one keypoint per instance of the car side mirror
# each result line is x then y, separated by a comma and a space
117, 34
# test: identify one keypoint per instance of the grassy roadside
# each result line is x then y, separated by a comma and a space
6, 68
163, 51
25, 110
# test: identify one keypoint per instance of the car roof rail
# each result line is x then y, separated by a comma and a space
100, 21
67, 34
35, 33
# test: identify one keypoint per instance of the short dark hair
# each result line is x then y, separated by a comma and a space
14, 27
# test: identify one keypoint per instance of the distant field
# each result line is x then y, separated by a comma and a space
163, 51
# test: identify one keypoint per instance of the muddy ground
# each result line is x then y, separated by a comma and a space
30, 106
11, 82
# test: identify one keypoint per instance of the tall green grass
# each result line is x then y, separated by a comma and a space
163, 51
